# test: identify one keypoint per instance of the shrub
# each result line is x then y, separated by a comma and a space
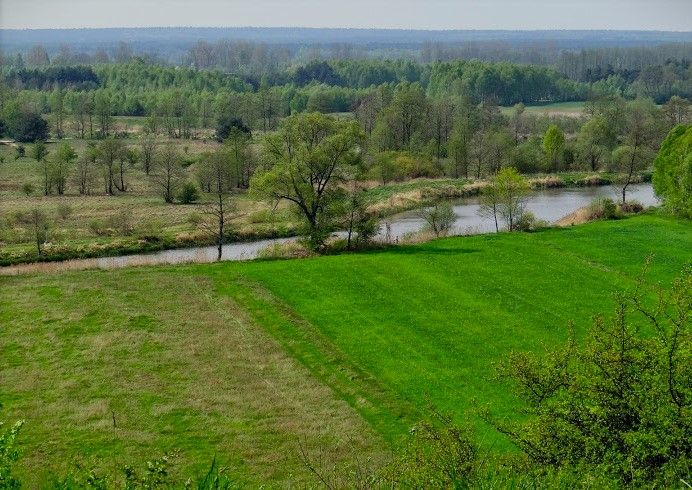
195, 219
528, 222
8, 455
603, 208
28, 189
188, 193
631, 207
64, 211
19, 152
284, 250
97, 227
439, 219
618, 404
121, 222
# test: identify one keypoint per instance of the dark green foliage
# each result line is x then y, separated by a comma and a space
77, 77
621, 403
28, 127
316, 71
226, 124
188, 193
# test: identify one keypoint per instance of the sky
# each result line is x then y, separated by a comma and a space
675, 15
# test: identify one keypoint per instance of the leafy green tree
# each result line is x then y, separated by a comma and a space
505, 197
238, 144
620, 404
672, 178
307, 160
553, 145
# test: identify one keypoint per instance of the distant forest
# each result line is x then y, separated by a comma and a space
276, 72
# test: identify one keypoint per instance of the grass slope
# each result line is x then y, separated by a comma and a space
178, 367
245, 359
428, 321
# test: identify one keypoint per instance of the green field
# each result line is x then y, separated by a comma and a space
571, 109
243, 360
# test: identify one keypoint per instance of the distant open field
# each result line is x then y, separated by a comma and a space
570, 109
243, 360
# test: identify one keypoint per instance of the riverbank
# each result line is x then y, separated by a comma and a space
256, 223
549, 205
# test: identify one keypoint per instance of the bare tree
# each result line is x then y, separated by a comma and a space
38, 222
148, 151
168, 173
218, 168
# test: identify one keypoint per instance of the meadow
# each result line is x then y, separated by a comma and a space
244, 360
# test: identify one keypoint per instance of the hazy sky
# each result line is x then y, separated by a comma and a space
419, 14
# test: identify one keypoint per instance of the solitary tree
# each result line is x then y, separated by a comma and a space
306, 162
109, 152
38, 223
592, 141
553, 144
168, 174
219, 173
148, 153
636, 152
505, 197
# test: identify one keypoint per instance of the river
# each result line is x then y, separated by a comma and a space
548, 205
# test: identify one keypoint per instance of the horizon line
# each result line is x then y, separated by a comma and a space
415, 29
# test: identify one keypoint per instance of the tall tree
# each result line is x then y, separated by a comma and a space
39, 152
109, 152
505, 197
307, 160
640, 133
553, 145
219, 175
169, 173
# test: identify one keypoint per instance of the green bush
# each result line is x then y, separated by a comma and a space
188, 193
603, 208
28, 189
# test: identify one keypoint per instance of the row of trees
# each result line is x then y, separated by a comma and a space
461, 138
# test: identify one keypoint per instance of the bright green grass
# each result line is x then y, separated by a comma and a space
242, 360
429, 321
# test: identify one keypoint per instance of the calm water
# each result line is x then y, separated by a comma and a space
548, 205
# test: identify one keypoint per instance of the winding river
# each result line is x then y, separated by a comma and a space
548, 205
